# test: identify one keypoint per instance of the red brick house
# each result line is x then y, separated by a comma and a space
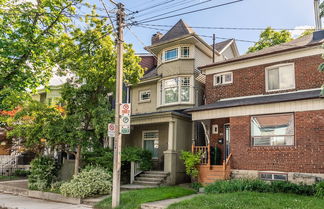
264, 116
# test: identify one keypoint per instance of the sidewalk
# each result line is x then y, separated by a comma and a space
19, 202
162, 204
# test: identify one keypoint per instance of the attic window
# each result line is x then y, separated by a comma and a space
171, 54
185, 51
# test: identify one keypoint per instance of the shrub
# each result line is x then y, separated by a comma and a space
288, 187
191, 160
43, 173
255, 185
90, 181
319, 188
136, 154
196, 185
22, 173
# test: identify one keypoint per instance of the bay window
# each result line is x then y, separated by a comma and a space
176, 90
273, 130
176, 53
171, 54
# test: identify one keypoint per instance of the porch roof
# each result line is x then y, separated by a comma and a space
263, 99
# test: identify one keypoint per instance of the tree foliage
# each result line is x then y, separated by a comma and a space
29, 32
270, 37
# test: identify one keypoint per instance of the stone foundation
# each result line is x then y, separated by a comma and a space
294, 177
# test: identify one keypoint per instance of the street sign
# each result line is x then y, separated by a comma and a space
125, 120
111, 130
125, 129
125, 109
125, 112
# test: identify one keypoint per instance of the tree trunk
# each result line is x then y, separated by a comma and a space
77, 160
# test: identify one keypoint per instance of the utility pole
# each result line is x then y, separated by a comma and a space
318, 22
214, 37
119, 93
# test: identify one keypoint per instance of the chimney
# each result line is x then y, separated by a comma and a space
318, 22
156, 37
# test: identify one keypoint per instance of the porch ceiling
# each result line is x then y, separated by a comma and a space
157, 117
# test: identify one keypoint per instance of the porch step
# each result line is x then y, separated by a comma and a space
146, 182
151, 178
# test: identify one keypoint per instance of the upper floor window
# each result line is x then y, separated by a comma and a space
176, 90
171, 54
273, 130
185, 51
145, 96
223, 78
280, 77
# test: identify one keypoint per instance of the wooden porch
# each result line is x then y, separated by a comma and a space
209, 173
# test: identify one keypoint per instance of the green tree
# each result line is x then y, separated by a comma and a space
270, 37
28, 37
90, 55
306, 32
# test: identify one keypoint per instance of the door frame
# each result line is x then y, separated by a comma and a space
151, 139
227, 152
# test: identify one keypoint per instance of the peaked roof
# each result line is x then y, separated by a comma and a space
306, 41
221, 45
178, 30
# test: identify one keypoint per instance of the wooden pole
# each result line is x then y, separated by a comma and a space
119, 93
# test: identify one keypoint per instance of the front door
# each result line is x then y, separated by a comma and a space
151, 142
227, 141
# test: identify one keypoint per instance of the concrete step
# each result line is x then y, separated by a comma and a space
149, 179
153, 175
147, 182
156, 172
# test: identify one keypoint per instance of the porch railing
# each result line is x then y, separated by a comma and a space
135, 170
205, 153
227, 166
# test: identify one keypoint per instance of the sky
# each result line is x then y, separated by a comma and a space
288, 14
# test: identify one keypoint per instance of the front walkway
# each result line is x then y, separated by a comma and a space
19, 202
162, 204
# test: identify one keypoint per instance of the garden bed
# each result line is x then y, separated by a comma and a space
250, 200
134, 199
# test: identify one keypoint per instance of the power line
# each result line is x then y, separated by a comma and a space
227, 28
189, 12
112, 24
176, 10
153, 6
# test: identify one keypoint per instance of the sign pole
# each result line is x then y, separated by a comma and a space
119, 89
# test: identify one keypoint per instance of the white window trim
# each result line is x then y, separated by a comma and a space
221, 74
160, 94
155, 139
278, 66
179, 53
251, 137
140, 95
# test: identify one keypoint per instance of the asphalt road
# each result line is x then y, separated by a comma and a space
8, 201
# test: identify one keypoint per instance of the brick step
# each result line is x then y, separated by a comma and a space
149, 179
215, 174
146, 182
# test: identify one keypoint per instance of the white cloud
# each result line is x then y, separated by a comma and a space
298, 30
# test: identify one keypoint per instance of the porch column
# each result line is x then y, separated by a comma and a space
170, 156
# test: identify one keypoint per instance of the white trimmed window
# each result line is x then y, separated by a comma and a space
280, 77
171, 54
223, 78
185, 51
273, 130
176, 90
151, 142
145, 96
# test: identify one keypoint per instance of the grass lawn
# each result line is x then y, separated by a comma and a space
250, 200
8, 178
134, 199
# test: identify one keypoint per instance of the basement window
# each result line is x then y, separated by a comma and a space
273, 176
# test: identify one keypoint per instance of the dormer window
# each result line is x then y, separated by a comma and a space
175, 53
185, 51
280, 77
171, 54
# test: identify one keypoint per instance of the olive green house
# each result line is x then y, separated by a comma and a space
171, 84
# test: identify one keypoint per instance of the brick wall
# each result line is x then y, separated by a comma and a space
307, 156
251, 80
